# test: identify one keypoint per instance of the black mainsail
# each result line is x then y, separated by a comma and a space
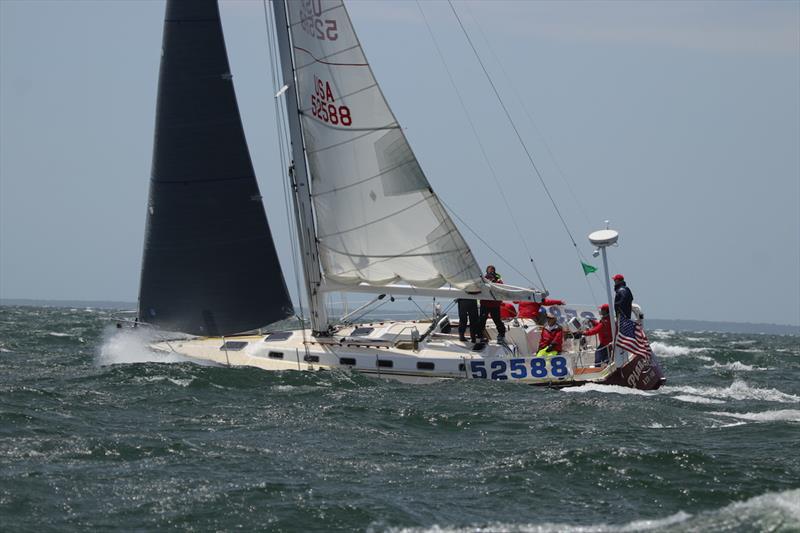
210, 265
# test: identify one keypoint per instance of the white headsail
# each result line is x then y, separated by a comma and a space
378, 220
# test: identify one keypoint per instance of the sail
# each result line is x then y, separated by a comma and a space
378, 219
210, 265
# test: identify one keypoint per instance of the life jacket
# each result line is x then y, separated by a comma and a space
553, 336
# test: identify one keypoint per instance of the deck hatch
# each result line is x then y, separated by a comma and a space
233, 346
362, 332
279, 336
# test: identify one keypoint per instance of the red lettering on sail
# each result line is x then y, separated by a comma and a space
323, 105
314, 25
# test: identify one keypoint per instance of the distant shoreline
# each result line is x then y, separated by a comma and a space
650, 323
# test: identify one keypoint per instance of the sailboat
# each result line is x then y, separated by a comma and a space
367, 221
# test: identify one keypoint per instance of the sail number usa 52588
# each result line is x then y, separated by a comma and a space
323, 105
521, 368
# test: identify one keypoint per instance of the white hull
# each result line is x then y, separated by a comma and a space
387, 350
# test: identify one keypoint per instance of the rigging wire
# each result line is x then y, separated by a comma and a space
467, 115
529, 115
485, 243
519, 137
283, 150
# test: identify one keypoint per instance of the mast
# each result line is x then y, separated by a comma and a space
299, 181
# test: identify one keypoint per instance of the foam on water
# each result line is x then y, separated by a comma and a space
606, 389
738, 390
736, 366
696, 399
774, 511
781, 415
127, 345
666, 350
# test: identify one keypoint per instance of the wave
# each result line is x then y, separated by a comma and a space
781, 415
773, 511
661, 333
124, 346
738, 390
608, 389
696, 399
667, 350
736, 365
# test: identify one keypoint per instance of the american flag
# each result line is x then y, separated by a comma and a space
631, 337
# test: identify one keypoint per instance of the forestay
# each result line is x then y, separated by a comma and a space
378, 220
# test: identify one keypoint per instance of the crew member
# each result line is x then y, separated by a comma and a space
468, 313
492, 307
603, 331
552, 340
623, 300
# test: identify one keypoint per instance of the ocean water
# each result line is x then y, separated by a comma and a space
97, 433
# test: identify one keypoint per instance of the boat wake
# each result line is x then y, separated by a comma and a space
125, 346
607, 389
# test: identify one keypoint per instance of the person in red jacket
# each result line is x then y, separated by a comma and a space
552, 340
603, 331
531, 309
492, 307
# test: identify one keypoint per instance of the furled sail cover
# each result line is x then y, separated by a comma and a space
210, 266
378, 220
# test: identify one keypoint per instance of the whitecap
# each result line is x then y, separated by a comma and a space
608, 389
758, 513
738, 390
696, 399
667, 350
661, 333
781, 415
57, 334
738, 366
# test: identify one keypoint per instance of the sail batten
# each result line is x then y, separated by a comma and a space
378, 220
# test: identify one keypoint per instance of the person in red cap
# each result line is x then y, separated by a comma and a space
603, 331
623, 300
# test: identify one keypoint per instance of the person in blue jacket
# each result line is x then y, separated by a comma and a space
623, 300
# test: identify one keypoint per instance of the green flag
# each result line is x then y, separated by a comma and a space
587, 268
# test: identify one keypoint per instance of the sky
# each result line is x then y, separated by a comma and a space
678, 122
